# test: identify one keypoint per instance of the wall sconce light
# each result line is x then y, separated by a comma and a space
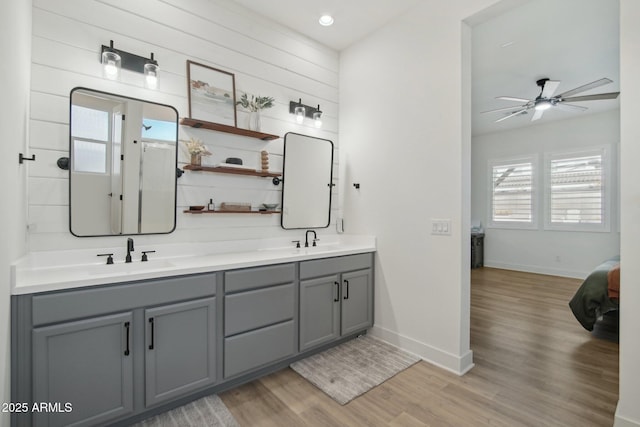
317, 118
301, 111
113, 60
151, 74
111, 63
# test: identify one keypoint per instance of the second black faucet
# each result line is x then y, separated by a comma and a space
306, 238
129, 249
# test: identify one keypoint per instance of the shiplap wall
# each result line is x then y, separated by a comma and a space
266, 59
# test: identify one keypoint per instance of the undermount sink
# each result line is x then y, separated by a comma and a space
131, 267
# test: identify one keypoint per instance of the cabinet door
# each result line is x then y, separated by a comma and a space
357, 301
180, 349
87, 364
319, 311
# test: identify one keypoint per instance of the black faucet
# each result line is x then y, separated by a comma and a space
129, 249
306, 238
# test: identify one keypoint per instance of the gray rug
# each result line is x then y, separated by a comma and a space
206, 412
346, 371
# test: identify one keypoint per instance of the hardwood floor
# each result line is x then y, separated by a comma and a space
534, 366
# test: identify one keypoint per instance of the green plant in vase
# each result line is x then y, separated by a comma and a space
254, 106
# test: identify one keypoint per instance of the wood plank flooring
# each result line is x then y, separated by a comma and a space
534, 366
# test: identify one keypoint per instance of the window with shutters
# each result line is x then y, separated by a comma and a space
577, 190
512, 203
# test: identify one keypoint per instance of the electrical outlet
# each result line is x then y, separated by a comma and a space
441, 227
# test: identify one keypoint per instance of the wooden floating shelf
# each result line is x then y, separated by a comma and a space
195, 123
231, 211
233, 171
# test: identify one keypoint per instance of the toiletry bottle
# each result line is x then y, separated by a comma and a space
210, 205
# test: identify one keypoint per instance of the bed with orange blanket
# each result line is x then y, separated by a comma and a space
598, 294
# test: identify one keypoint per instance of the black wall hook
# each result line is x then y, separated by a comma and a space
356, 185
22, 158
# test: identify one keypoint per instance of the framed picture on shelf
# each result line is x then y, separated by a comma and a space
212, 94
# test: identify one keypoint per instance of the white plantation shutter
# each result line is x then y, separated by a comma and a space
512, 193
576, 194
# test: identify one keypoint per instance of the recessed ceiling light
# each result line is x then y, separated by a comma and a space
326, 20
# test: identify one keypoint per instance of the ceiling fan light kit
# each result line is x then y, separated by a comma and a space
546, 100
543, 104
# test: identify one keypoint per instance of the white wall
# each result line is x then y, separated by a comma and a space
15, 43
628, 411
563, 253
266, 59
402, 139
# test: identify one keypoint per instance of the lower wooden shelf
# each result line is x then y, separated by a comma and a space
234, 171
230, 211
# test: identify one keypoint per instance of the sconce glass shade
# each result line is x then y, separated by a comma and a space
151, 75
300, 113
317, 119
111, 64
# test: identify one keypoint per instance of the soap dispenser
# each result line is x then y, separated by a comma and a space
210, 205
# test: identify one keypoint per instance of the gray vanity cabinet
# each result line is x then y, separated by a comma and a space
87, 363
180, 348
118, 353
336, 298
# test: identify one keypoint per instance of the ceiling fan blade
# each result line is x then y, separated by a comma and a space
537, 115
503, 109
569, 107
549, 88
586, 87
511, 98
515, 113
599, 96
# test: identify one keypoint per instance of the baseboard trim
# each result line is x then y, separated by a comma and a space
459, 365
620, 421
537, 269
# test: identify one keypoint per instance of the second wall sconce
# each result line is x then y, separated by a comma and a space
114, 59
301, 111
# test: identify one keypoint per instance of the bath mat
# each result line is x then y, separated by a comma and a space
206, 412
348, 370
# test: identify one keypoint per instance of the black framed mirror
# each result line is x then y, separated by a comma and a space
307, 182
122, 169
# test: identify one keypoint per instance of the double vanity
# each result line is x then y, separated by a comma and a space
114, 336
119, 343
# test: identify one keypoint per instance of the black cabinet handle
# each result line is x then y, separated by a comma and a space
126, 326
346, 294
152, 333
337, 298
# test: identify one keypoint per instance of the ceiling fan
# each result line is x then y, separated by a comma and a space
547, 100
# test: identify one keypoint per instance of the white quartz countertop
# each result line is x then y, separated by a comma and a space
58, 270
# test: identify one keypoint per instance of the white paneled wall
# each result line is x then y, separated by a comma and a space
266, 59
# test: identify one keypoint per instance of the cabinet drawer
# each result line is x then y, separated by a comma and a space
67, 305
251, 278
325, 267
261, 307
256, 348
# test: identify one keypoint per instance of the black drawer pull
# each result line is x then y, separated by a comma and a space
346, 294
337, 298
152, 333
127, 327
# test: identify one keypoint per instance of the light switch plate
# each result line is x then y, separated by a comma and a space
441, 227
